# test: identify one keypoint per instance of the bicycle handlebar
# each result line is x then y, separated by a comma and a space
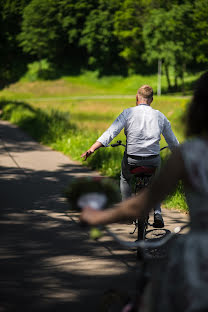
142, 244
97, 202
164, 147
119, 143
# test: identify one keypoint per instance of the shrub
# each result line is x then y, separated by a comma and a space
39, 70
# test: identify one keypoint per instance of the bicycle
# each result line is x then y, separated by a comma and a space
148, 274
143, 176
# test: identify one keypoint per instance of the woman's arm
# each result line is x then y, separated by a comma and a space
164, 184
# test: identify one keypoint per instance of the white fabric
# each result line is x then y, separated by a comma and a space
143, 127
185, 285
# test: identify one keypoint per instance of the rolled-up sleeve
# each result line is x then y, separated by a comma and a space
113, 130
168, 134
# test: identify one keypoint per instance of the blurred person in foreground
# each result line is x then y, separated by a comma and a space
185, 279
143, 127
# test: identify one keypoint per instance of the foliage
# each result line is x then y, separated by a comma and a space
177, 199
39, 70
129, 20
73, 15
168, 37
40, 29
99, 39
45, 126
12, 59
200, 18
52, 125
111, 37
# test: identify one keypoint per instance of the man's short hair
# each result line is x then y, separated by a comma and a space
145, 91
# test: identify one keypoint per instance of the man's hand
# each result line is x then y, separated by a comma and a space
87, 154
90, 151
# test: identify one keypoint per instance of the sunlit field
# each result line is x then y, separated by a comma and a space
54, 114
98, 114
89, 84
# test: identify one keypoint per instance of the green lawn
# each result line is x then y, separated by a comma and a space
89, 84
48, 112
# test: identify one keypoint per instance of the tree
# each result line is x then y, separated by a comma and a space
73, 15
200, 18
129, 21
12, 61
99, 39
168, 36
40, 29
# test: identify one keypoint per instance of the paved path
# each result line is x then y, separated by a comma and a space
46, 262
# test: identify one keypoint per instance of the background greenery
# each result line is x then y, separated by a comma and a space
72, 123
69, 67
53, 38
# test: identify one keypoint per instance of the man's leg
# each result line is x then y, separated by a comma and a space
125, 179
158, 219
155, 162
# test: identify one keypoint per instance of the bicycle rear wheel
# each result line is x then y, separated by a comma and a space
142, 228
141, 233
142, 223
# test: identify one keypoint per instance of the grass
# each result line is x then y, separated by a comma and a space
72, 125
88, 84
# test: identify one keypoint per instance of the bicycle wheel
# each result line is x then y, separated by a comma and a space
141, 223
141, 234
157, 234
141, 228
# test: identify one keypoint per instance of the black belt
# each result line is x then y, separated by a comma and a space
142, 157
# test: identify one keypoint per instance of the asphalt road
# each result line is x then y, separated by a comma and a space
47, 262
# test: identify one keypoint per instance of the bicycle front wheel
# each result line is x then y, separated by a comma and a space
141, 234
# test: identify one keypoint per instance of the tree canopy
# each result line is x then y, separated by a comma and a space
168, 36
112, 37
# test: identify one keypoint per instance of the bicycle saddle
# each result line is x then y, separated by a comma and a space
143, 170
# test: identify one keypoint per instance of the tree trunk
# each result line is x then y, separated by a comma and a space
182, 78
167, 76
176, 82
159, 77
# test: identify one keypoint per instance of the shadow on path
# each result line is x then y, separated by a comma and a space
46, 262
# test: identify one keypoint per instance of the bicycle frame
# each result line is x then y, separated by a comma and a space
143, 175
145, 274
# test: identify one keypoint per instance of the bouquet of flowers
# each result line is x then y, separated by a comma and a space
97, 192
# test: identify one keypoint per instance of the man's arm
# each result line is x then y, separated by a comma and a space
168, 134
108, 135
164, 184
91, 150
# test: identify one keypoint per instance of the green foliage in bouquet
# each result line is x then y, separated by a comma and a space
85, 185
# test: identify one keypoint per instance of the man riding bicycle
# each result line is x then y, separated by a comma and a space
143, 127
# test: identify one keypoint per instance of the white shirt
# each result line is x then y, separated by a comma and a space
143, 127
